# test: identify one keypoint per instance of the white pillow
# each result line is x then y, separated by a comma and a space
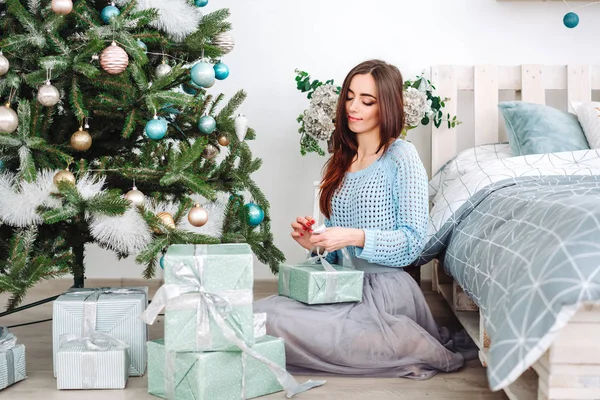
588, 115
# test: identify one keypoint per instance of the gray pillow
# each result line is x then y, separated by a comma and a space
540, 129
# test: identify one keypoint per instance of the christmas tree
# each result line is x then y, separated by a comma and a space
110, 134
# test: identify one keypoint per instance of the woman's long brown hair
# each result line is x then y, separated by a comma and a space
388, 80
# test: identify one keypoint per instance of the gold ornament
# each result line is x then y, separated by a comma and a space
223, 140
9, 121
135, 196
64, 175
167, 219
198, 216
81, 140
62, 7
114, 59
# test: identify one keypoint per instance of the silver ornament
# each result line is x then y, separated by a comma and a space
135, 196
48, 95
224, 41
9, 121
241, 126
210, 152
4, 64
163, 70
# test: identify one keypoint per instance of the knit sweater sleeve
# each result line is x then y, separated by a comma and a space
400, 247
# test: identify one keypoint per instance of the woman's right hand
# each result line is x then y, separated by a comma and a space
302, 231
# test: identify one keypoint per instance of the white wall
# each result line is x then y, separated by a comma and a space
328, 37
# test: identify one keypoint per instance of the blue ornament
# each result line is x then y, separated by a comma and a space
207, 124
142, 45
156, 129
108, 13
256, 215
203, 74
571, 20
162, 262
201, 3
190, 88
1, 165
221, 71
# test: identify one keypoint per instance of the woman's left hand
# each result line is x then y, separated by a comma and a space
335, 238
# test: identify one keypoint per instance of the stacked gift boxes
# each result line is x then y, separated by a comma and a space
12, 359
98, 337
214, 346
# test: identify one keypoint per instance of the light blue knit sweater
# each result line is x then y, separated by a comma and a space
389, 201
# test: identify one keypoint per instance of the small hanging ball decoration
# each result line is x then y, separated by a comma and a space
81, 140
62, 7
156, 129
210, 152
142, 45
241, 126
136, 197
198, 216
256, 215
163, 69
203, 74
64, 175
4, 64
9, 120
571, 20
190, 88
1, 165
221, 71
201, 3
167, 219
108, 13
223, 140
207, 124
114, 59
48, 95
162, 262
224, 41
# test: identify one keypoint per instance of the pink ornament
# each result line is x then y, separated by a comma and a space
62, 7
114, 59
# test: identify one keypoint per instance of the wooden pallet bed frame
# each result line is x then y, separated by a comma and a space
570, 369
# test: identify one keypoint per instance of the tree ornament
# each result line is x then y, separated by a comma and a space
48, 95
109, 12
156, 129
223, 140
114, 59
241, 126
167, 219
198, 216
207, 124
203, 74
163, 69
201, 3
64, 175
190, 88
224, 41
162, 262
142, 45
221, 71
9, 121
571, 20
4, 64
81, 140
136, 197
256, 215
62, 7
1, 165
210, 152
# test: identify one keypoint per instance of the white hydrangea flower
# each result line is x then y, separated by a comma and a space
416, 106
318, 118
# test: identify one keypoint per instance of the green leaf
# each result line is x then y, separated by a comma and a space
60, 214
109, 203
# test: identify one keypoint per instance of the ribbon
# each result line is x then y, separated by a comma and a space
7, 343
215, 306
94, 342
260, 325
90, 303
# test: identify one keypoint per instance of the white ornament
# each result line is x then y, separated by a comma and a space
241, 126
224, 41
163, 70
4, 64
48, 95
9, 121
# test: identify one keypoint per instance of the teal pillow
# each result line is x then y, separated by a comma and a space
540, 129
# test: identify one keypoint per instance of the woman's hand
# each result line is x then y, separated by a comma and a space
335, 238
302, 231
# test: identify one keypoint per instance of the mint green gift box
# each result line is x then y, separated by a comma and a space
226, 273
216, 375
313, 284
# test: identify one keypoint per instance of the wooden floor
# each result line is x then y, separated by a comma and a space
468, 383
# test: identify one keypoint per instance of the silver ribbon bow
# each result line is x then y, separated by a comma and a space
7, 343
94, 342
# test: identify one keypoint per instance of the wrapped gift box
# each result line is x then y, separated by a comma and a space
12, 359
115, 311
221, 375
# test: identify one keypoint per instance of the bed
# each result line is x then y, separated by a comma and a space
514, 241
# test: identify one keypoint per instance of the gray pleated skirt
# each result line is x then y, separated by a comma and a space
390, 333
